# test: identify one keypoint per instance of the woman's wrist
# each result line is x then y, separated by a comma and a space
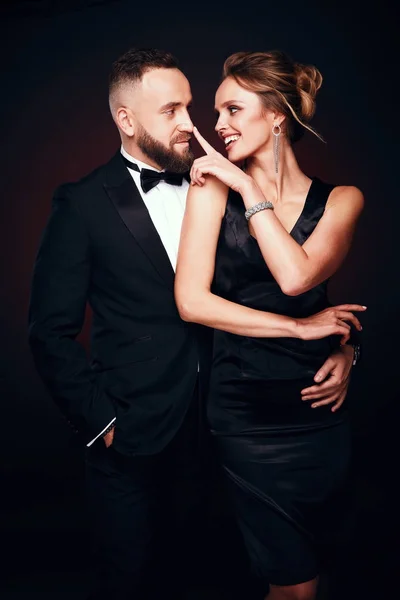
284, 326
250, 192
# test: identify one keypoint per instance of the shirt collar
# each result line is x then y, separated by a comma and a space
140, 163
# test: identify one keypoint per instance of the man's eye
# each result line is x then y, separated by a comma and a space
170, 112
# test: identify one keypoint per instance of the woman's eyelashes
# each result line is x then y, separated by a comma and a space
231, 111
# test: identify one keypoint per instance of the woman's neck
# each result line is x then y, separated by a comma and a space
276, 186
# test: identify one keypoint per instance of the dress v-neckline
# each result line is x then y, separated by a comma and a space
304, 207
299, 218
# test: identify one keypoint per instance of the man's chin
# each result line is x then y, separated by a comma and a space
185, 158
181, 152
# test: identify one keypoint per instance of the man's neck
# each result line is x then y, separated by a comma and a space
140, 160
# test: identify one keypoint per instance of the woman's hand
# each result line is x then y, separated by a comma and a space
213, 163
331, 380
330, 321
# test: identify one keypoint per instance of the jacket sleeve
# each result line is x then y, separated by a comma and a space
59, 292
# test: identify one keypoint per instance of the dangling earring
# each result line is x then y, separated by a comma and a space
276, 130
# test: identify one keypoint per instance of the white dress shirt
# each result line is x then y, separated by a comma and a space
166, 205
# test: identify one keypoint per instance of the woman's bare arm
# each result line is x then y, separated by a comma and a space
195, 270
298, 268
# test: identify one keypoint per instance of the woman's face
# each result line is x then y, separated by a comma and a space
243, 125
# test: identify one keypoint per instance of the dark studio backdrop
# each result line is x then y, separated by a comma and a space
56, 128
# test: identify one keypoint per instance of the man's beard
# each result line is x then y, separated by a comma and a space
166, 158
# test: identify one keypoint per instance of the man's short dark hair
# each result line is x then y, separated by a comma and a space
133, 64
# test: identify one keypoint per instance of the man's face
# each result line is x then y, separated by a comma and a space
163, 126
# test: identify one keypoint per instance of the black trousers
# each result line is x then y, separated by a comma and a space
147, 514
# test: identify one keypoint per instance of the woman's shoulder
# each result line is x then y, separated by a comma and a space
346, 195
211, 184
212, 193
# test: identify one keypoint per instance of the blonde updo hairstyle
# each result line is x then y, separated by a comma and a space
282, 85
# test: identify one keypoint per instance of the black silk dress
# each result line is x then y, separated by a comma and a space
283, 459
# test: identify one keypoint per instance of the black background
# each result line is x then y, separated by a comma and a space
56, 127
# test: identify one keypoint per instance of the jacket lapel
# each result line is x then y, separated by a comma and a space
126, 198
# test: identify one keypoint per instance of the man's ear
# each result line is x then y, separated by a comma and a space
125, 121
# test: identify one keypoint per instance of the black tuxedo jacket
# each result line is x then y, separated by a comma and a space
101, 247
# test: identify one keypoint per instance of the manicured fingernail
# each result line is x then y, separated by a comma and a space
318, 377
364, 307
314, 405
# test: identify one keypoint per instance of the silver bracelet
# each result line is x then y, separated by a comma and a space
256, 208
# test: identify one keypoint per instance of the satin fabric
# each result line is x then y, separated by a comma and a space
283, 459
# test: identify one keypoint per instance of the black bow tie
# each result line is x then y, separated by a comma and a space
150, 178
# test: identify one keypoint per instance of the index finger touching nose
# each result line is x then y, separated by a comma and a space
208, 149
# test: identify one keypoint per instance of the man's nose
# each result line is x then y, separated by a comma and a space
186, 126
